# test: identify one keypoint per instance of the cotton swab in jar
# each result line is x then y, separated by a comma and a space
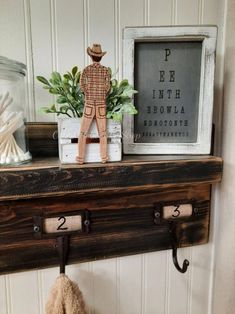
9, 124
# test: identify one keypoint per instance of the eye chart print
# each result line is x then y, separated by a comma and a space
167, 77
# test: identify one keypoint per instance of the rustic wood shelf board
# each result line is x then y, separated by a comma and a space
47, 178
120, 224
109, 210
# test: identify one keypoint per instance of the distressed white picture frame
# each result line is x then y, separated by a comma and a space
206, 34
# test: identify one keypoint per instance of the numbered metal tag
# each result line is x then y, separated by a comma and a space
45, 227
173, 211
177, 211
62, 224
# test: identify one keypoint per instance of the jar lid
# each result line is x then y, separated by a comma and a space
12, 65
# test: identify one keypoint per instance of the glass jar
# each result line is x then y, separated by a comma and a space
13, 143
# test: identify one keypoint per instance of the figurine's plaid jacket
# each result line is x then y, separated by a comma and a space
95, 83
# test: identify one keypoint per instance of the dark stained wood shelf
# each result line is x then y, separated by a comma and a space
46, 177
120, 200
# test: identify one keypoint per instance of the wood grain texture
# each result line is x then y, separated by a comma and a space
42, 139
119, 225
51, 179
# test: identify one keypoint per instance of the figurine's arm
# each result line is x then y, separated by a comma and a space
107, 81
83, 81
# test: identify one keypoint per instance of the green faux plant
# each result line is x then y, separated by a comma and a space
70, 99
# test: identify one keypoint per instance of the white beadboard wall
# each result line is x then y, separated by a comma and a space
53, 35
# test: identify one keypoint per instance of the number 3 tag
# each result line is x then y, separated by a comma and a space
177, 211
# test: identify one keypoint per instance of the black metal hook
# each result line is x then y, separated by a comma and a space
63, 250
175, 261
184, 268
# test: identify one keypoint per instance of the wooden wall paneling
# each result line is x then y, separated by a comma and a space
24, 293
155, 285
14, 35
130, 285
40, 292
210, 12
222, 293
70, 34
3, 294
214, 12
101, 13
12, 31
15, 41
218, 93
104, 286
187, 12
202, 273
160, 12
201, 278
46, 278
30, 79
126, 8
43, 57
179, 284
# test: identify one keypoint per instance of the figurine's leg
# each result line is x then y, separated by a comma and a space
87, 118
101, 125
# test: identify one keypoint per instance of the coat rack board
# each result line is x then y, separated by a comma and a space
141, 204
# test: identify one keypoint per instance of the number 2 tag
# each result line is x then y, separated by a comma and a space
62, 224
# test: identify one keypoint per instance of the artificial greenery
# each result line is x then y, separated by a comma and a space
70, 98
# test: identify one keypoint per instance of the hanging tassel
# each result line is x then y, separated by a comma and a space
65, 298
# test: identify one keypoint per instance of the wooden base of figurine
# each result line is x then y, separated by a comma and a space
69, 129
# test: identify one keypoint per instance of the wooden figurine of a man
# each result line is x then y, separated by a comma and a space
95, 84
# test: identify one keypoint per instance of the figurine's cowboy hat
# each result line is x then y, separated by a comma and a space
95, 51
